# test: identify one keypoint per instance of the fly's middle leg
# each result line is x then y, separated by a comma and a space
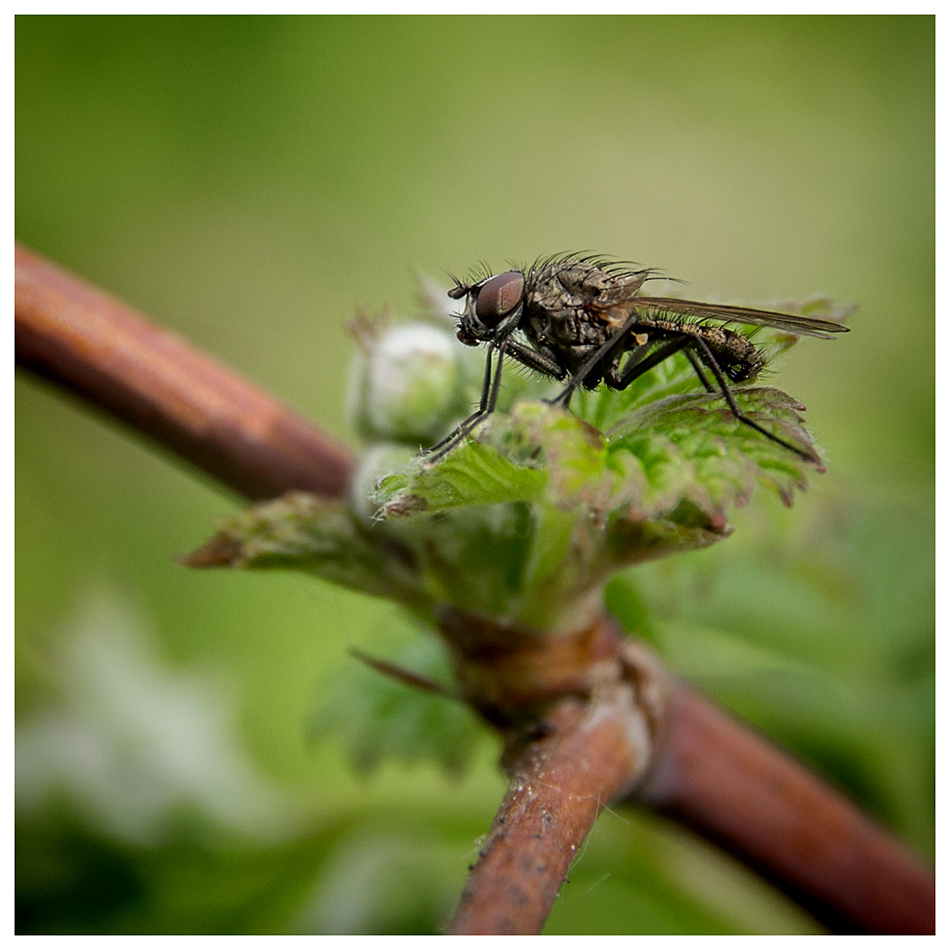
604, 352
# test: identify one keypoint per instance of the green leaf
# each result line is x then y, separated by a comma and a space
302, 532
408, 725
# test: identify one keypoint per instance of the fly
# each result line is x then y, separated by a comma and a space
585, 320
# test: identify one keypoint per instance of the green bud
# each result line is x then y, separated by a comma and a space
408, 385
375, 464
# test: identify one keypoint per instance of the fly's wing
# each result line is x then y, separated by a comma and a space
805, 326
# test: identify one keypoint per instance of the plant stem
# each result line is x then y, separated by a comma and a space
151, 379
559, 782
715, 775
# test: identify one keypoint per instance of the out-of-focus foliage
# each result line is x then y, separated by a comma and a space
802, 633
249, 182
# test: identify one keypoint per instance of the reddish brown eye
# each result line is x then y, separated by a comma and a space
498, 296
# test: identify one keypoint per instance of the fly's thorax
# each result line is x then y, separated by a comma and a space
584, 284
545, 293
563, 330
559, 306
574, 306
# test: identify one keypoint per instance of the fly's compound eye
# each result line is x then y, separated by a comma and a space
498, 296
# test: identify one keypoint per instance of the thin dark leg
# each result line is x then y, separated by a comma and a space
637, 355
637, 368
736, 411
490, 389
691, 356
603, 352
482, 403
687, 342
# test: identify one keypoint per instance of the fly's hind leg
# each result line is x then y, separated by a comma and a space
710, 361
637, 367
689, 342
707, 385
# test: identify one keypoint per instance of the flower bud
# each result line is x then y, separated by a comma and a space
375, 464
407, 385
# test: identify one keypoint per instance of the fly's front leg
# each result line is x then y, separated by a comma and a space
456, 434
491, 387
535, 360
486, 406
500, 344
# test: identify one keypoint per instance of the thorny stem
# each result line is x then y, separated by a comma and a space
709, 772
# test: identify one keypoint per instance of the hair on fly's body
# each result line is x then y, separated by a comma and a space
583, 319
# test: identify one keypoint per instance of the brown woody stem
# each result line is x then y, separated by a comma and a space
581, 712
560, 779
735, 788
102, 350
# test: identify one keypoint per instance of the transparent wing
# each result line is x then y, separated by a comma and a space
806, 326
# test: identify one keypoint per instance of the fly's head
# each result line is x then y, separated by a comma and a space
492, 306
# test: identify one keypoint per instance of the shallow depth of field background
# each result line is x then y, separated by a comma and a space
249, 183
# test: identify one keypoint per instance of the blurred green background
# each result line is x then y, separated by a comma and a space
249, 182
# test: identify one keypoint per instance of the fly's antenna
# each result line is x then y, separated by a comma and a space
460, 289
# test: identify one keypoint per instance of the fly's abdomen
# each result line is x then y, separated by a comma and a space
736, 355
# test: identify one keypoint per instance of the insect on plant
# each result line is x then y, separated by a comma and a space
584, 319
